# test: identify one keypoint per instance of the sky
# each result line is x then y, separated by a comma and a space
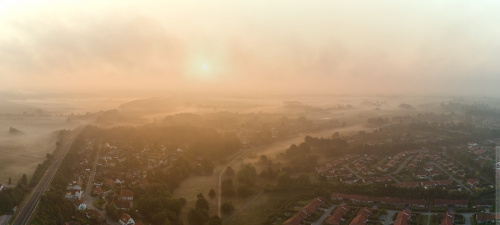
251, 47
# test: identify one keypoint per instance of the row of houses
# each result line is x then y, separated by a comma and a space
488, 218
392, 162
305, 212
424, 184
420, 203
448, 202
362, 216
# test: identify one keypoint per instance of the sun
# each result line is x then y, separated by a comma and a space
204, 66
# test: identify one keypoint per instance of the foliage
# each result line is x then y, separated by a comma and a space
197, 217
227, 208
227, 188
201, 202
247, 174
211, 193
214, 220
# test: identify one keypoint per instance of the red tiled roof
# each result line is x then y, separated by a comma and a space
125, 218
448, 219
127, 193
362, 216
402, 217
336, 217
487, 217
304, 212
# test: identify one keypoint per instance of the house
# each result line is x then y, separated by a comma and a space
119, 181
362, 216
403, 217
74, 194
420, 175
383, 179
336, 217
126, 195
95, 215
122, 204
447, 202
125, 219
448, 219
407, 184
72, 223
73, 185
305, 212
369, 180
473, 182
80, 205
484, 203
487, 217
109, 183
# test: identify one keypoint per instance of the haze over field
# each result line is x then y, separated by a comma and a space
250, 47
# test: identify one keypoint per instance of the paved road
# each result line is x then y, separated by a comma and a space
325, 214
353, 172
403, 165
4, 219
27, 210
388, 218
451, 177
90, 183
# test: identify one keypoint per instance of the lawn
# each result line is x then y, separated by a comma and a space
265, 206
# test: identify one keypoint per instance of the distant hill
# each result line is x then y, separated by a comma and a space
14, 131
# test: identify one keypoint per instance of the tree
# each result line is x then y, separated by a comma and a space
24, 180
284, 178
183, 201
247, 174
201, 203
214, 220
197, 217
211, 193
227, 208
229, 171
227, 187
244, 191
303, 179
160, 218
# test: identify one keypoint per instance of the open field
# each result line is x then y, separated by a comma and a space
37, 119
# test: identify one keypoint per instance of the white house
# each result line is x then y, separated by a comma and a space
80, 205
125, 219
74, 194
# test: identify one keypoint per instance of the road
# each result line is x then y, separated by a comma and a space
401, 166
327, 212
353, 172
88, 189
452, 177
236, 156
27, 210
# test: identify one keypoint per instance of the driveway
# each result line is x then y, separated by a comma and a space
325, 215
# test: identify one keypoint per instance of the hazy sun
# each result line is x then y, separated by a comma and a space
204, 66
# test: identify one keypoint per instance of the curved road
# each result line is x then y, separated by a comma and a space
25, 213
